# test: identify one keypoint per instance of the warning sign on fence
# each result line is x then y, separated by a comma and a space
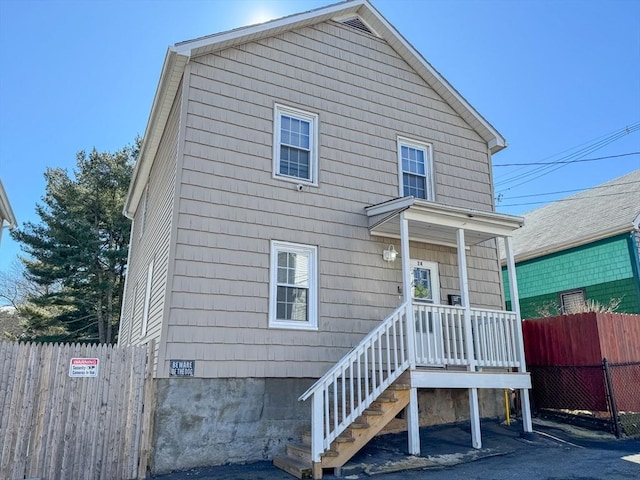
83, 367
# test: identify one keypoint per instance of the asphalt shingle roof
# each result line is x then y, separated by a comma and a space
602, 211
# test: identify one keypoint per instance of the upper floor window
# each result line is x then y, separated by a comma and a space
415, 169
295, 149
293, 286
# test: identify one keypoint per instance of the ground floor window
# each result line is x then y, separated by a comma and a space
293, 286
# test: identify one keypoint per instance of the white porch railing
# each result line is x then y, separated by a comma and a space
440, 335
357, 380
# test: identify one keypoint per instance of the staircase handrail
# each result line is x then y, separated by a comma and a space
351, 354
324, 431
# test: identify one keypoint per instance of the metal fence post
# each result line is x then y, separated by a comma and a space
612, 399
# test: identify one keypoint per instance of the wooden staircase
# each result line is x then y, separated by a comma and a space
297, 460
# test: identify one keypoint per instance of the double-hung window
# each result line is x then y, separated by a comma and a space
415, 169
293, 286
295, 149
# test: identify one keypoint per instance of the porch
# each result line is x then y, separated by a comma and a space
422, 344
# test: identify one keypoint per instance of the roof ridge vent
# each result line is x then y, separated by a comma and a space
356, 22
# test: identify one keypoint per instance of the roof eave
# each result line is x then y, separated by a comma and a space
6, 212
559, 247
170, 78
494, 139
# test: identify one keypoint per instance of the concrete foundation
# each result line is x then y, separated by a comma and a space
208, 422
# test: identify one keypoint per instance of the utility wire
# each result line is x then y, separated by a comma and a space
566, 161
567, 191
568, 199
555, 165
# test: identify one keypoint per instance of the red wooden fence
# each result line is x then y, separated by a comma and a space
584, 340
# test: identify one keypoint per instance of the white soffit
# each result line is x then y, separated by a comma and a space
435, 223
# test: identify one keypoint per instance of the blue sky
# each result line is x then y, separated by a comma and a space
559, 79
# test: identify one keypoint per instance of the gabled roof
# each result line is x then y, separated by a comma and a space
178, 56
600, 212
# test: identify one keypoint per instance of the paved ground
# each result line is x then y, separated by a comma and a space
554, 452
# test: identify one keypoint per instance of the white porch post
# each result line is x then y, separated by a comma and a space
413, 421
406, 287
474, 410
515, 307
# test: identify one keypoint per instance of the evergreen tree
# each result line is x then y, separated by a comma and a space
77, 254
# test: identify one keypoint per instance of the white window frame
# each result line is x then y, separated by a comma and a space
427, 148
435, 280
312, 296
147, 300
279, 111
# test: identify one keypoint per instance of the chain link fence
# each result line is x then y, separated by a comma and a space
602, 397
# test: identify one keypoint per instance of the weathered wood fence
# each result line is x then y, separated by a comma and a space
56, 423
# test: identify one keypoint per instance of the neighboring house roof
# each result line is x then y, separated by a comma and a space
6, 212
600, 212
177, 57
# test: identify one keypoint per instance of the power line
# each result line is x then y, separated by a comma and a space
579, 154
567, 199
569, 191
566, 161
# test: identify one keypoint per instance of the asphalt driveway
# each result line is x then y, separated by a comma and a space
554, 452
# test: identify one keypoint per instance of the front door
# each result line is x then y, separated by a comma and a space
425, 291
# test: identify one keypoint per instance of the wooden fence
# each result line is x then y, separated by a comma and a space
582, 339
62, 416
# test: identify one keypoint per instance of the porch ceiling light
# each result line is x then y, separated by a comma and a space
390, 254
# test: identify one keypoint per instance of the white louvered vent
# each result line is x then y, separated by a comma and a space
357, 23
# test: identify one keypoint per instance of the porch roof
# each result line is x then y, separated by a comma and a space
436, 223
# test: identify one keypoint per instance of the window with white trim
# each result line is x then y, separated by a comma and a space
293, 290
147, 299
415, 169
295, 151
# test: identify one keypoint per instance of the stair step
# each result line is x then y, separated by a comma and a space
359, 423
300, 451
386, 399
372, 411
294, 466
399, 386
344, 439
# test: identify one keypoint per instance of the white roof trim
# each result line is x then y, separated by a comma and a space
168, 84
435, 223
6, 212
178, 56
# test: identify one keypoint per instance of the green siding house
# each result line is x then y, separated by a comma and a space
583, 247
